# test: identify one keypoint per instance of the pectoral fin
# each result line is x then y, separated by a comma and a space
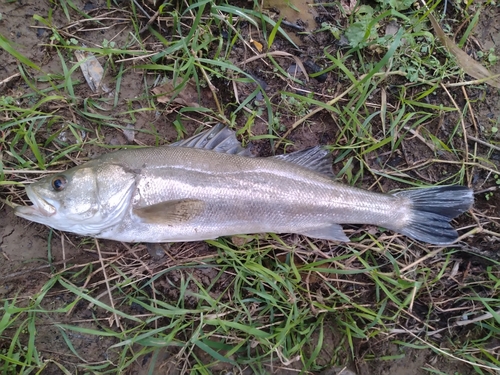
332, 232
170, 212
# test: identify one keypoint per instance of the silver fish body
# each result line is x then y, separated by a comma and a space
187, 193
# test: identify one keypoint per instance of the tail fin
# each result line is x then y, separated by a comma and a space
433, 209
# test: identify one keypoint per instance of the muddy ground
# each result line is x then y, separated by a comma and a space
24, 263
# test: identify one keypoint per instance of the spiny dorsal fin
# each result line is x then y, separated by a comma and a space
170, 212
314, 158
220, 139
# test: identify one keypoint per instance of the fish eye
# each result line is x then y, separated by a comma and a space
59, 183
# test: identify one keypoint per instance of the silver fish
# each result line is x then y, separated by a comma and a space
209, 186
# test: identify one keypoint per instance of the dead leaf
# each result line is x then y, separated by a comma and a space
92, 70
467, 63
257, 45
392, 28
185, 95
240, 241
348, 6
129, 132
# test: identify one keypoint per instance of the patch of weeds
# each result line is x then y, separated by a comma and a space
489, 57
333, 29
366, 26
364, 29
496, 178
396, 5
299, 107
18, 327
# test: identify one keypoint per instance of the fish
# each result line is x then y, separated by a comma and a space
209, 186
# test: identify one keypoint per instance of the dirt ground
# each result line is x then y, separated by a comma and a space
24, 263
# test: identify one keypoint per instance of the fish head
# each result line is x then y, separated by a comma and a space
84, 200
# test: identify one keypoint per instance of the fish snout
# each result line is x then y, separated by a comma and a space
40, 206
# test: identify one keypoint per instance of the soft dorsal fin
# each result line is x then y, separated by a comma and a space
170, 212
314, 158
220, 139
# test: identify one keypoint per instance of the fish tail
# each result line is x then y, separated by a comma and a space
432, 209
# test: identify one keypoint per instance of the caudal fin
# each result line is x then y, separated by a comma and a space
432, 211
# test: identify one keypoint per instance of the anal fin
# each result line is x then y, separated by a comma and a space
333, 232
170, 212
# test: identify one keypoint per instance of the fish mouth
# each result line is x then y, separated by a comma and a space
40, 206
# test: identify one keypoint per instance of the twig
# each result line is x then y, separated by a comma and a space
462, 122
211, 86
458, 323
151, 20
31, 270
469, 83
474, 139
141, 8
28, 171
63, 248
115, 317
279, 54
9, 78
446, 353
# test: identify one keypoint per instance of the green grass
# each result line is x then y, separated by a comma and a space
268, 301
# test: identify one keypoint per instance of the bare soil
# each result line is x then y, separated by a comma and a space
25, 247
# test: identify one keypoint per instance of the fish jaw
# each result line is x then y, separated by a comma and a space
41, 209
